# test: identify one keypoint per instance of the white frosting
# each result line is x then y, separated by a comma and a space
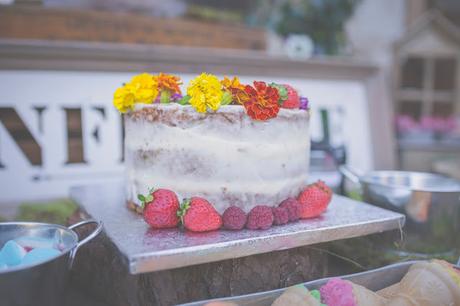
226, 157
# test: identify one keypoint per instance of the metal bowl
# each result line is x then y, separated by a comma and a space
42, 283
430, 202
410, 192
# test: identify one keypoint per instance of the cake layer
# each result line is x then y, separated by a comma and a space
225, 156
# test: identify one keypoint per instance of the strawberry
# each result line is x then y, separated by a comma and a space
314, 200
198, 215
160, 208
293, 100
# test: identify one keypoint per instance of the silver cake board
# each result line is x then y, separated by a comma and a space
158, 266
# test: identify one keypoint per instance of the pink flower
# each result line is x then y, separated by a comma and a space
406, 124
438, 124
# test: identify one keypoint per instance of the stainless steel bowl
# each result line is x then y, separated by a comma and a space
410, 192
430, 202
42, 283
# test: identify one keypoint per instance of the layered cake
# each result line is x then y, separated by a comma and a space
225, 156
230, 144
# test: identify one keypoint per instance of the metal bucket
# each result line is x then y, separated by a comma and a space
430, 202
43, 283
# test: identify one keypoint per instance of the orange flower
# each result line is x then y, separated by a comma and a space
235, 83
262, 103
169, 82
236, 89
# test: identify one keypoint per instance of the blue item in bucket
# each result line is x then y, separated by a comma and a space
39, 255
2, 262
12, 253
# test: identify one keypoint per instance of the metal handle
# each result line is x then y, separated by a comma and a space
351, 174
93, 234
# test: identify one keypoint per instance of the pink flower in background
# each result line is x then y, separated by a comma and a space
428, 123
438, 124
405, 124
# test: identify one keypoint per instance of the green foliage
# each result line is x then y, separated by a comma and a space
57, 211
146, 199
185, 100
183, 209
165, 96
226, 98
323, 21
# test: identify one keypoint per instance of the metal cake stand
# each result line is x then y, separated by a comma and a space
147, 250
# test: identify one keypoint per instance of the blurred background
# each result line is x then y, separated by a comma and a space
382, 78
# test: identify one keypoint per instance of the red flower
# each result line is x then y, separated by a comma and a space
262, 103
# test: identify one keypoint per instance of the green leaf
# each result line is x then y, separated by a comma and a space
185, 100
141, 197
226, 98
149, 198
183, 209
165, 96
282, 91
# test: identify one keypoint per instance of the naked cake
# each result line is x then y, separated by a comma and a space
232, 145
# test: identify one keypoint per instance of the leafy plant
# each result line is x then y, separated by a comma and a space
323, 21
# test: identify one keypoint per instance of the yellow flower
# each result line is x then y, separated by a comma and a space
145, 88
205, 92
124, 98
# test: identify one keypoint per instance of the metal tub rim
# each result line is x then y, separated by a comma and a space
396, 271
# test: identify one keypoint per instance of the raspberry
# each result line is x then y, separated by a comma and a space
260, 217
281, 215
234, 218
293, 206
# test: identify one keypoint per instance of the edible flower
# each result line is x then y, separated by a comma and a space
168, 85
205, 92
236, 89
304, 103
142, 88
124, 98
145, 88
262, 103
232, 84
